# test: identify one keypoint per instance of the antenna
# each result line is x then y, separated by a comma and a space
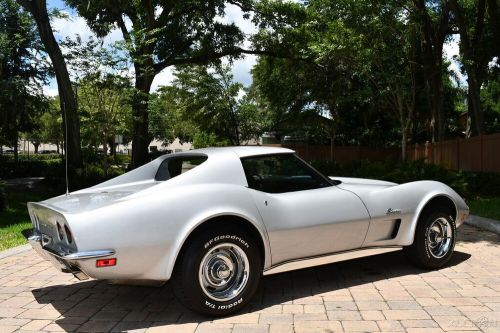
66, 145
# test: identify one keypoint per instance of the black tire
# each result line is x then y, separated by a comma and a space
186, 280
421, 252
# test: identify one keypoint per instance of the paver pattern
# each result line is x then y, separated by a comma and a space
381, 293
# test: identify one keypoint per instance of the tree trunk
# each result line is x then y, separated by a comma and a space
434, 35
112, 147
105, 157
474, 103
36, 145
474, 62
38, 9
141, 137
16, 150
404, 140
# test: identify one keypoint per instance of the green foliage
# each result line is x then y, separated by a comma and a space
485, 207
23, 71
50, 125
9, 158
204, 140
164, 34
91, 174
351, 70
399, 172
105, 109
484, 183
205, 105
466, 183
166, 118
29, 168
490, 100
15, 218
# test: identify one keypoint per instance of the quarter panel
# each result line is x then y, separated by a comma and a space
147, 232
406, 201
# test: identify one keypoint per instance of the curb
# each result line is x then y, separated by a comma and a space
484, 223
15, 250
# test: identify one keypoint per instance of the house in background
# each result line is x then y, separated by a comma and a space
25, 146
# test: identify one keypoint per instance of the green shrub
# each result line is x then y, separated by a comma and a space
399, 172
26, 168
120, 159
31, 157
3, 197
92, 174
484, 183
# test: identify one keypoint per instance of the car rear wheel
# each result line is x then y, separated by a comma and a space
434, 239
218, 272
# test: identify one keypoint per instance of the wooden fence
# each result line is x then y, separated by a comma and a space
342, 154
479, 153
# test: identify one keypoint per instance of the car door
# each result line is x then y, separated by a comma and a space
305, 214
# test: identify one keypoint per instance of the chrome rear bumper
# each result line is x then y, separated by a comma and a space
65, 262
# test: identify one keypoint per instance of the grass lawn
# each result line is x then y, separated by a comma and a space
485, 207
16, 218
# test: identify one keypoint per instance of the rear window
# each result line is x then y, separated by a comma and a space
175, 166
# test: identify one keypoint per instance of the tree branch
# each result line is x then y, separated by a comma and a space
150, 15
123, 28
206, 58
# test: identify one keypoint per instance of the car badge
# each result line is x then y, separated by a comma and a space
393, 211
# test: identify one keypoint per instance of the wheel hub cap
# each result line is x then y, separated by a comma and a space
439, 237
223, 272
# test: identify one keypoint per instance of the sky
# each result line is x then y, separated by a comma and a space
241, 68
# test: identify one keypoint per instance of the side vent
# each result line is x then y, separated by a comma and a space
397, 224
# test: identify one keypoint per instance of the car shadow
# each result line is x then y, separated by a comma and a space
99, 306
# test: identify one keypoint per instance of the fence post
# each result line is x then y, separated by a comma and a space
482, 155
458, 154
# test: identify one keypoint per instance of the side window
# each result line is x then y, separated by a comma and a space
281, 173
174, 166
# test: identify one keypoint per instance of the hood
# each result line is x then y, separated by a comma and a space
362, 181
94, 198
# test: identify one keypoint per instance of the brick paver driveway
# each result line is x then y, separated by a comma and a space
382, 293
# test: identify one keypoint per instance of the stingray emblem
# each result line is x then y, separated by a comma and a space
393, 211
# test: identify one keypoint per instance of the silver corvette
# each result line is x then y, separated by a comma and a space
213, 221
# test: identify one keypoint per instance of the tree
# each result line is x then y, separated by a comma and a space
213, 102
50, 125
22, 74
477, 23
38, 10
166, 119
163, 34
433, 19
362, 54
105, 110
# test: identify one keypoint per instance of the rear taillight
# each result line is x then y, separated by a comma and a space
69, 236
105, 262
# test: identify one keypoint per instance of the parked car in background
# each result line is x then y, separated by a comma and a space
213, 221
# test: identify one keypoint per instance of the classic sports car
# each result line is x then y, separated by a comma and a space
215, 220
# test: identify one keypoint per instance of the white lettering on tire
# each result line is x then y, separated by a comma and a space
224, 307
231, 237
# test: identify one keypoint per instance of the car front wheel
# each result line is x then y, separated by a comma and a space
218, 272
434, 239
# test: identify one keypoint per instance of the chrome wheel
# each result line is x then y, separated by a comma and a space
439, 237
224, 272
